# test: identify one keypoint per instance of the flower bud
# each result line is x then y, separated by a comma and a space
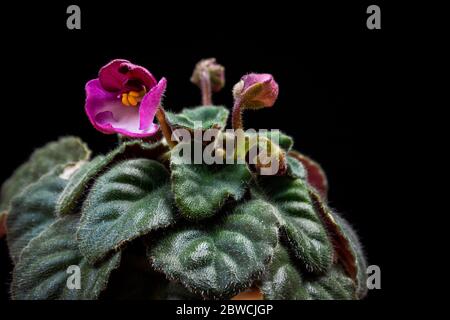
215, 71
256, 91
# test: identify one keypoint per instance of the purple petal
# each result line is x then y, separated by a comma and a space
110, 78
150, 103
253, 78
138, 72
108, 115
115, 74
96, 98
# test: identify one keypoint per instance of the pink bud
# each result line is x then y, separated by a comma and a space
256, 91
215, 71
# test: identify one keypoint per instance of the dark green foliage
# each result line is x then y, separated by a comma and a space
141, 224
209, 117
32, 211
64, 151
299, 221
217, 260
128, 201
76, 186
335, 285
42, 270
81, 181
296, 168
283, 280
200, 190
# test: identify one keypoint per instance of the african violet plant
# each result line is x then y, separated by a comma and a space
138, 223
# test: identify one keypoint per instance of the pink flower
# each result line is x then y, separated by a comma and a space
256, 91
124, 99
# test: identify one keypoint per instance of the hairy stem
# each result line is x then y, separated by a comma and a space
236, 116
165, 128
205, 87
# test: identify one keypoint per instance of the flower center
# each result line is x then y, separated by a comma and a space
132, 98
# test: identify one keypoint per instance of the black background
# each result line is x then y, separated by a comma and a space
335, 79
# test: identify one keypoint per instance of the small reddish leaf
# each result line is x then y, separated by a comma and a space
341, 243
348, 250
3, 224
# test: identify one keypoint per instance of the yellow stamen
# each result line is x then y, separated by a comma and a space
132, 98
125, 99
134, 94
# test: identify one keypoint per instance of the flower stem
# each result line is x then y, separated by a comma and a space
205, 87
236, 116
165, 128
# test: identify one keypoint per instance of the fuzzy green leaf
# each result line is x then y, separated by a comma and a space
209, 116
77, 185
61, 152
219, 259
200, 190
32, 211
128, 201
295, 168
300, 223
282, 281
334, 285
286, 142
42, 272
81, 181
